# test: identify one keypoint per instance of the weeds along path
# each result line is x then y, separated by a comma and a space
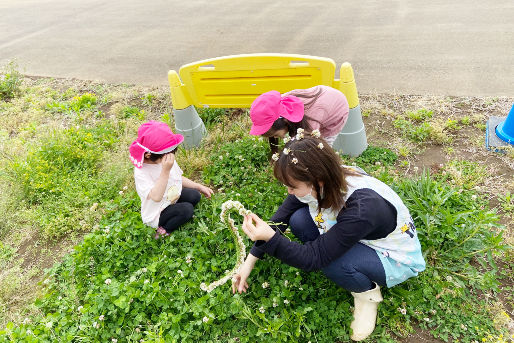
66, 185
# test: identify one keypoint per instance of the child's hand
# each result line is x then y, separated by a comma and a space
167, 161
205, 191
258, 232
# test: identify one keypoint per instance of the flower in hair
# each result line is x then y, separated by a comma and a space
316, 133
321, 146
287, 139
300, 130
294, 160
299, 135
286, 151
275, 156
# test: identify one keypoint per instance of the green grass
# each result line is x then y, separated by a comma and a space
66, 168
147, 291
10, 82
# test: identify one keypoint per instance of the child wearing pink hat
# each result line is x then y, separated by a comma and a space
320, 108
167, 197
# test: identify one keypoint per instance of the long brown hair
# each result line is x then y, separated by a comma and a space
305, 161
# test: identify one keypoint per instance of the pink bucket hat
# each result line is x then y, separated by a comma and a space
270, 106
155, 137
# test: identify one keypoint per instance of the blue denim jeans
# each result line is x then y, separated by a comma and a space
354, 271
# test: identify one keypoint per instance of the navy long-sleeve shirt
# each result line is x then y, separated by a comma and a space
366, 215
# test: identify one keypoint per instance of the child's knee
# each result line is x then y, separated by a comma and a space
196, 198
188, 210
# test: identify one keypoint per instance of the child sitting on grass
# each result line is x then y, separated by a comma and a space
167, 197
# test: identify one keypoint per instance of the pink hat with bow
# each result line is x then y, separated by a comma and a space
155, 137
270, 106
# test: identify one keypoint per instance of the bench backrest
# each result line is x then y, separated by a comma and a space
235, 81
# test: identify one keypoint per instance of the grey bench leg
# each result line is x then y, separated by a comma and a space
352, 138
189, 124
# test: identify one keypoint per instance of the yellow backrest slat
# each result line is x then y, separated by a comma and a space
235, 81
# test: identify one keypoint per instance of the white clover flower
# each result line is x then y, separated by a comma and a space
297, 273
96, 325
203, 286
287, 139
80, 308
125, 188
286, 301
265, 285
275, 156
26, 320
102, 317
286, 151
49, 325
221, 157
286, 283
188, 259
138, 329
433, 311
29, 332
300, 130
261, 309
180, 272
108, 281
402, 310
299, 135
300, 288
377, 163
205, 319
114, 340
147, 281
321, 146
106, 231
426, 319
294, 160
275, 304
93, 207
144, 270
120, 192
316, 133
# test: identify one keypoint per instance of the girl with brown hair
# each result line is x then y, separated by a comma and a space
352, 226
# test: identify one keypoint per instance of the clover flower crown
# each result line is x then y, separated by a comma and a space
299, 135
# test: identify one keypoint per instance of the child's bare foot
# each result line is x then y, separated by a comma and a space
160, 232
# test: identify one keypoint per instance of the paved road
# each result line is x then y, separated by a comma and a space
454, 47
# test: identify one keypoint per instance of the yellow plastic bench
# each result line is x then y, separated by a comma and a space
235, 81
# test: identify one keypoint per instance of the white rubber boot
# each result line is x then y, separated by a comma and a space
365, 313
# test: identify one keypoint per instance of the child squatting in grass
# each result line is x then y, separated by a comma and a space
353, 227
320, 108
167, 197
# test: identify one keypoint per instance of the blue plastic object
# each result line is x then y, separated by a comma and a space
505, 130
